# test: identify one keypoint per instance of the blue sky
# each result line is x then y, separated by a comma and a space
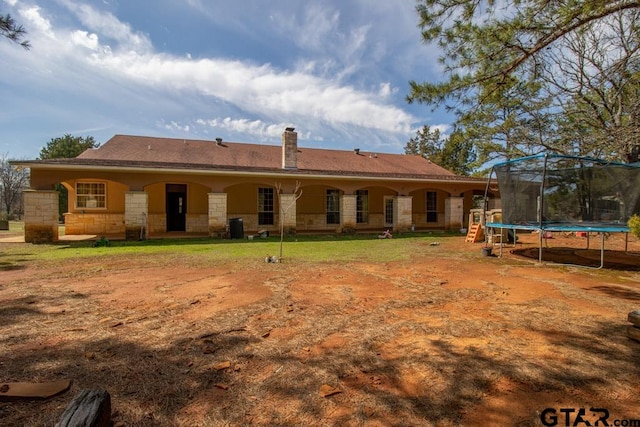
336, 70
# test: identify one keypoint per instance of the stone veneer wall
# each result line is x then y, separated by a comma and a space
420, 220
318, 222
376, 221
94, 223
197, 223
157, 223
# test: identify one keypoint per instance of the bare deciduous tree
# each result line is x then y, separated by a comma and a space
595, 78
12, 181
285, 208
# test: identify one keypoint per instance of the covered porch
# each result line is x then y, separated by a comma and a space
105, 207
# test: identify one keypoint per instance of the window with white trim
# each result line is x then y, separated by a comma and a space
91, 195
389, 205
265, 206
333, 206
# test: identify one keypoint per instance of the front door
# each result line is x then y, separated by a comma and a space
176, 207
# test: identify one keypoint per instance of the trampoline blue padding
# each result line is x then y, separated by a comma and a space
601, 228
590, 227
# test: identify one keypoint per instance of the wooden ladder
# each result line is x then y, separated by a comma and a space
474, 234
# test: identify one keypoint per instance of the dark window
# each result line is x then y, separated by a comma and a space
265, 206
432, 206
388, 210
333, 206
362, 207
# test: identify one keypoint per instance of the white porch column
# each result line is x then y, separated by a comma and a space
288, 213
453, 213
136, 209
348, 217
217, 214
40, 216
404, 213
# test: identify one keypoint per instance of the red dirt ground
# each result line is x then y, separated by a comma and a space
485, 304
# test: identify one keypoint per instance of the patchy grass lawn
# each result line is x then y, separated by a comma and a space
420, 330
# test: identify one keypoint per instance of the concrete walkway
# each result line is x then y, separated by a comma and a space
19, 238
12, 238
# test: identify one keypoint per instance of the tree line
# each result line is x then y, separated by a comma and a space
527, 76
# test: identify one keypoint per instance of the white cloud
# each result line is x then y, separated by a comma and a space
109, 26
175, 126
442, 127
320, 32
36, 21
318, 25
82, 38
385, 89
256, 128
257, 89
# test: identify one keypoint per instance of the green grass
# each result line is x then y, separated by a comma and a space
325, 248
18, 227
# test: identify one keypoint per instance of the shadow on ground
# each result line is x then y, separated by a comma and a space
186, 380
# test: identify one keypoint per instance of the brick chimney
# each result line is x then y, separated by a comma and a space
290, 149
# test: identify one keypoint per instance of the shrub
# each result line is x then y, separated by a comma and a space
634, 225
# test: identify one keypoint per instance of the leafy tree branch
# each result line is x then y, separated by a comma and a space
484, 42
13, 31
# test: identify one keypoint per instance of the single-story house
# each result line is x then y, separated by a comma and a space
136, 186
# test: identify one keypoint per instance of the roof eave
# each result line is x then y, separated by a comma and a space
288, 173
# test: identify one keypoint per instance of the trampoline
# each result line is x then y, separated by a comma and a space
560, 193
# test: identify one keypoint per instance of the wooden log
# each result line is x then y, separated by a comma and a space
633, 333
634, 317
90, 408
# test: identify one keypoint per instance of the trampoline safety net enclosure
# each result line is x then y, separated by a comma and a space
556, 191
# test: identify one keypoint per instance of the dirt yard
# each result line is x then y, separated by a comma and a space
451, 338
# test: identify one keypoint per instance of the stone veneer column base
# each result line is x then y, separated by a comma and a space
288, 214
453, 213
40, 216
136, 208
40, 234
404, 213
218, 215
348, 213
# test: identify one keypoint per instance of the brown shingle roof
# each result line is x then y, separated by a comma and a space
142, 152
241, 156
